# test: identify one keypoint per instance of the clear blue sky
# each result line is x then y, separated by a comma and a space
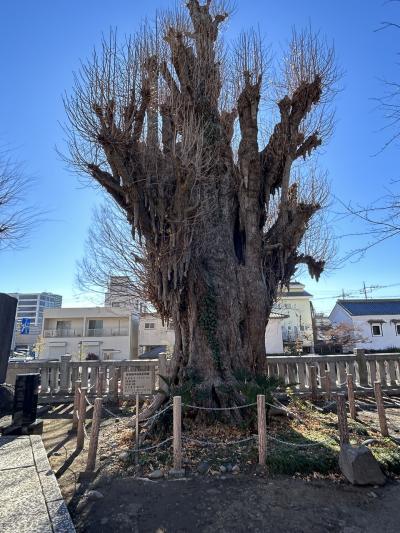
42, 42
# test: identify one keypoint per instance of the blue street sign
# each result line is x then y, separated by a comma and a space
25, 326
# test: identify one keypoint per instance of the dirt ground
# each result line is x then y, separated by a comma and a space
244, 502
240, 504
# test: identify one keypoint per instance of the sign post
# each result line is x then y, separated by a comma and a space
140, 381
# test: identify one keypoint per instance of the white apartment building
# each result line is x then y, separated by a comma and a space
119, 294
29, 316
295, 303
153, 333
106, 332
376, 321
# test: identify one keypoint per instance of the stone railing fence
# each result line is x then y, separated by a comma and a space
365, 369
59, 377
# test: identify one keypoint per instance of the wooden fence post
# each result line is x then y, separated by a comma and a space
177, 432
350, 395
313, 382
99, 383
381, 409
262, 429
342, 419
77, 395
80, 438
94, 435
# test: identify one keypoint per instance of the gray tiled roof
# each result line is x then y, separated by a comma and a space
371, 307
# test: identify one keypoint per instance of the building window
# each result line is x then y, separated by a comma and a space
95, 328
376, 330
397, 329
149, 325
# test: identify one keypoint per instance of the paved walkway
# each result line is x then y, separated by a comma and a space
30, 499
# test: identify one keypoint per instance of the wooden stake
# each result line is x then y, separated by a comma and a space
342, 419
350, 394
137, 429
313, 382
94, 435
80, 438
99, 383
76, 405
262, 429
177, 432
381, 409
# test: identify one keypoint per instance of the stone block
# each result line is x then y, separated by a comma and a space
359, 466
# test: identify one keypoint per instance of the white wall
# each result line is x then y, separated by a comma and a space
160, 335
273, 336
389, 339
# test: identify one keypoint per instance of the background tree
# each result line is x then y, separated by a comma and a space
16, 218
342, 335
168, 123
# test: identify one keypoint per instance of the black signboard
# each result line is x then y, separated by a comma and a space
25, 399
8, 306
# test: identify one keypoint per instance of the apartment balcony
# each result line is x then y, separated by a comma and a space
63, 332
108, 332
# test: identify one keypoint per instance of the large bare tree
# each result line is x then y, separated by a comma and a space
171, 124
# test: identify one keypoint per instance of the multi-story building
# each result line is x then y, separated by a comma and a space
120, 294
29, 317
297, 326
154, 334
104, 332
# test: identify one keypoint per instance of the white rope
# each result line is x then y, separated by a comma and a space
286, 443
218, 408
221, 443
151, 447
88, 402
109, 412
157, 414
359, 386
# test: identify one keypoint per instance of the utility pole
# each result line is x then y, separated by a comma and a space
364, 290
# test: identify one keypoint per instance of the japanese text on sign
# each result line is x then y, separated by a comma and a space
139, 381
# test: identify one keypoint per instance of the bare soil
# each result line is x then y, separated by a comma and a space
253, 500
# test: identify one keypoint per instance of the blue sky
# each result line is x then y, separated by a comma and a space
41, 44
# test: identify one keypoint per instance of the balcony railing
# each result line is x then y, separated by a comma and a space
78, 332
107, 332
63, 332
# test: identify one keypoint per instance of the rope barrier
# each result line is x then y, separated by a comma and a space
220, 443
295, 445
218, 408
157, 414
150, 447
88, 402
110, 412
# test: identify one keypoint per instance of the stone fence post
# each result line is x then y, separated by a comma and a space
362, 366
64, 374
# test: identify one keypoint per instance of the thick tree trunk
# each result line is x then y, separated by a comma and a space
220, 317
